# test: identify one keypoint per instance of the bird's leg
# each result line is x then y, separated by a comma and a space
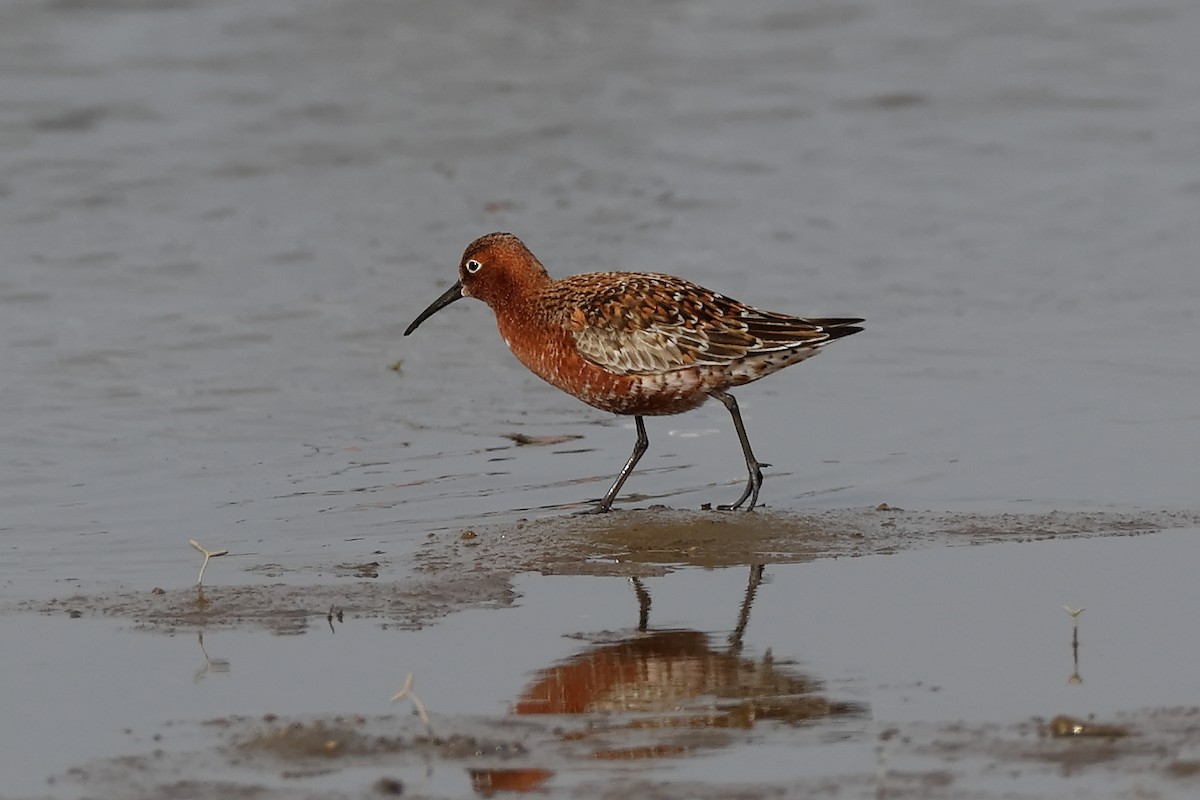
739, 632
643, 597
752, 464
643, 442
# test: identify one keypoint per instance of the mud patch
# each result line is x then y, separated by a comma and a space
473, 567
387, 755
657, 540
1154, 755
274, 757
284, 609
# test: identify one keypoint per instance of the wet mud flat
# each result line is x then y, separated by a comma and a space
286, 609
666, 654
656, 540
276, 758
473, 567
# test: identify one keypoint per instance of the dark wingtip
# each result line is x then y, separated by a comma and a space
849, 330
838, 327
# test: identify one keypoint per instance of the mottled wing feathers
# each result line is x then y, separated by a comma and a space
640, 323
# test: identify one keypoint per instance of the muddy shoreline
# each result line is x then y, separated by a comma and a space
571, 726
474, 567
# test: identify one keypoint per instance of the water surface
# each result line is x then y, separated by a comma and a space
219, 217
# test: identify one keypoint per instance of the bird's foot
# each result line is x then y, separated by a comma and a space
599, 508
751, 491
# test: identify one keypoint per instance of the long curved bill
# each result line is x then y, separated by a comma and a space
452, 294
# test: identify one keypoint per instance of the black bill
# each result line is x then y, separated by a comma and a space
452, 294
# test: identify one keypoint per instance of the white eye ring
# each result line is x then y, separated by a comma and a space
473, 266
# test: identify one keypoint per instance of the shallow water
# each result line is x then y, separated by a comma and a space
791, 684
219, 217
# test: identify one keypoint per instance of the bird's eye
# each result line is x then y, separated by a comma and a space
473, 266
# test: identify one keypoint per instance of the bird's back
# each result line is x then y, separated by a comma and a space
638, 323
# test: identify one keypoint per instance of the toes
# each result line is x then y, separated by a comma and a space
597, 509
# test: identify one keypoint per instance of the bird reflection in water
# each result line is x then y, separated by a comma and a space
661, 691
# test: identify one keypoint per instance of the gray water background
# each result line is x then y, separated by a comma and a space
216, 219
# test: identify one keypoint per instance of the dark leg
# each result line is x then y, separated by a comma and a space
739, 632
643, 597
643, 442
752, 464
